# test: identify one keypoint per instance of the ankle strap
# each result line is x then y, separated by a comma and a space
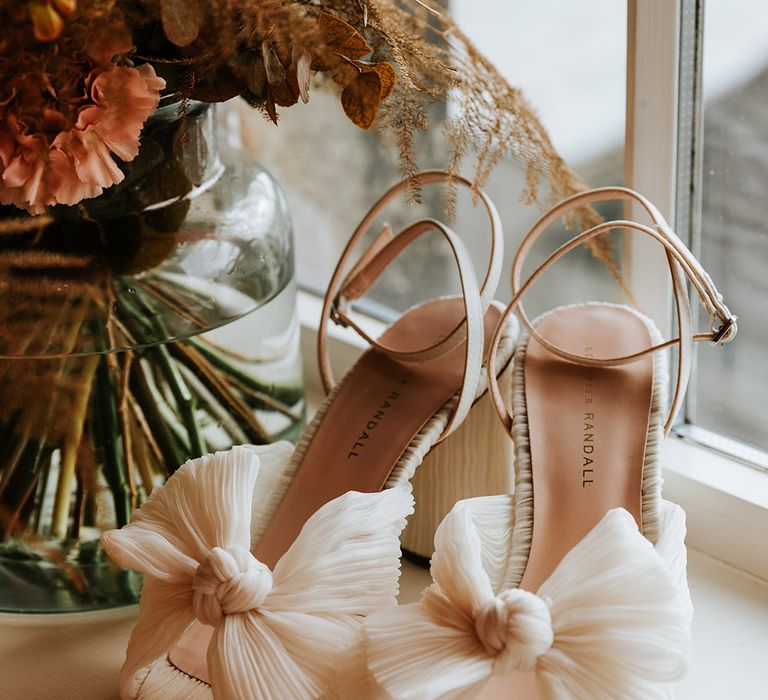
681, 263
385, 247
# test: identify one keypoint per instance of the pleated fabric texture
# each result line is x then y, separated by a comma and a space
278, 633
612, 621
157, 678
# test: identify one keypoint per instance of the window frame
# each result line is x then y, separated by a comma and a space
725, 497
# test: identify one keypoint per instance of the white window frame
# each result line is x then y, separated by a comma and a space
726, 500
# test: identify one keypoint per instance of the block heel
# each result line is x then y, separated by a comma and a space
444, 477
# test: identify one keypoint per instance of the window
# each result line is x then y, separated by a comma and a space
708, 175
730, 222
578, 87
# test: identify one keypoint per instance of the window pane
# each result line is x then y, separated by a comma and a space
571, 63
732, 385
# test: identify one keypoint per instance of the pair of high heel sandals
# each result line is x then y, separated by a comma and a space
272, 572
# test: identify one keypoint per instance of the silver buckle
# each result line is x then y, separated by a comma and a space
335, 315
723, 330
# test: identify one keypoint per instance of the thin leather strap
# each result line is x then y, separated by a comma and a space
685, 319
567, 247
474, 314
679, 287
709, 295
383, 249
682, 264
363, 278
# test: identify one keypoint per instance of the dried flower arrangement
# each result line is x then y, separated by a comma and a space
71, 66
80, 81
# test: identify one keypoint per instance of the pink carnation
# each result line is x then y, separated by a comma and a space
65, 163
22, 159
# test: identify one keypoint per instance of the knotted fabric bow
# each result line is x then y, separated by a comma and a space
612, 620
277, 634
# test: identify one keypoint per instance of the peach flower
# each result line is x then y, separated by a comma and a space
23, 158
77, 162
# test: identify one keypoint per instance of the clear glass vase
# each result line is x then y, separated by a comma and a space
138, 329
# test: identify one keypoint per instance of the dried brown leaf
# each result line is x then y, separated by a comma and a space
386, 74
346, 73
283, 88
273, 66
285, 95
340, 40
182, 20
365, 85
256, 76
303, 76
361, 98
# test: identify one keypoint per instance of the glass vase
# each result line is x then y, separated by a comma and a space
139, 329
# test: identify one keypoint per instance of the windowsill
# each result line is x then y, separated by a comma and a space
726, 503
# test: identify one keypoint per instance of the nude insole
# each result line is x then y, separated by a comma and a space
374, 417
587, 429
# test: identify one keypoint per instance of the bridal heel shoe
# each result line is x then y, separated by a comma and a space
260, 563
575, 586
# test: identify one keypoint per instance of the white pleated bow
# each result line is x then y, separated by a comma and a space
612, 621
279, 633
